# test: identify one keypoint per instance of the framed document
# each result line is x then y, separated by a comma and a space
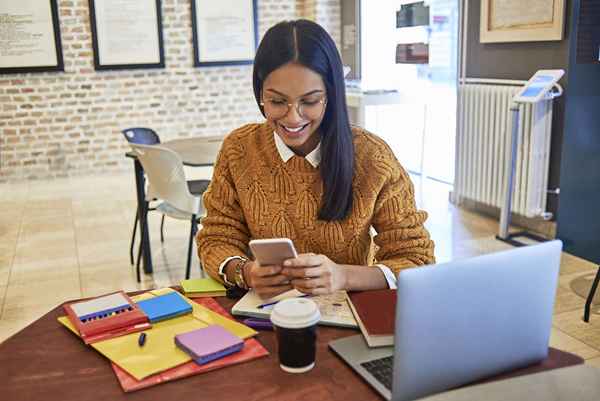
29, 36
521, 21
126, 34
225, 32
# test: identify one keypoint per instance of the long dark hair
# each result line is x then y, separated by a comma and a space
308, 44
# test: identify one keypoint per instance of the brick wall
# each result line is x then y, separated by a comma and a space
65, 124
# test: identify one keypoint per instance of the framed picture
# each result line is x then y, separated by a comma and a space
126, 34
29, 37
521, 21
224, 32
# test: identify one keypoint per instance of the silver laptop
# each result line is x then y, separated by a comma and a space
462, 321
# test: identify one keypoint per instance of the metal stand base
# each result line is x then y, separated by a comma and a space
510, 238
590, 297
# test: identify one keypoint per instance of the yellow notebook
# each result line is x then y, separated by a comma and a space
159, 352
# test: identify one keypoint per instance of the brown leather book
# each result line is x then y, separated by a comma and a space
375, 312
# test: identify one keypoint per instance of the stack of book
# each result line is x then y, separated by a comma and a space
209, 343
375, 312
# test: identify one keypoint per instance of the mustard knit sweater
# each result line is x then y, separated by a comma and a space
254, 194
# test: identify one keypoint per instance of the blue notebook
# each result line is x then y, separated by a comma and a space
165, 307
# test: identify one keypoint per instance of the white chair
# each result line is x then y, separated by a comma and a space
166, 177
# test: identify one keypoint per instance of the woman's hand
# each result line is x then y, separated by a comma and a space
267, 281
315, 274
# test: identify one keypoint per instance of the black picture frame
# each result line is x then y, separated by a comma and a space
98, 65
59, 66
195, 40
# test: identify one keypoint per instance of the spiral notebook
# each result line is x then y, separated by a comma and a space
333, 307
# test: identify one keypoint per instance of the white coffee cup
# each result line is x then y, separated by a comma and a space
295, 322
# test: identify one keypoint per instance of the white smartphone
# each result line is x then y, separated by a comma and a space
273, 251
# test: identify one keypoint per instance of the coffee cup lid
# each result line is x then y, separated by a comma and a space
295, 313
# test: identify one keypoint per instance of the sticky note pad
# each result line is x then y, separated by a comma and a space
203, 287
165, 307
209, 343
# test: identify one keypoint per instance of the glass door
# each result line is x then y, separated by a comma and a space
412, 47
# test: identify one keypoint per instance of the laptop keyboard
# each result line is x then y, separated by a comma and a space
381, 369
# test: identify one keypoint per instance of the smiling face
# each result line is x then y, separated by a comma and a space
304, 88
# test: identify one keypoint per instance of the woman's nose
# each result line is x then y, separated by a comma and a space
293, 116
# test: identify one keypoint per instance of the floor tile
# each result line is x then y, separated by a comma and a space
32, 226
582, 284
572, 291
103, 252
56, 269
97, 233
11, 209
23, 301
50, 190
99, 208
109, 277
9, 328
47, 207
45, 253
572, 323
14, 191
10, 226
2, 297
572, 264
594, 362
565, 342
7, 254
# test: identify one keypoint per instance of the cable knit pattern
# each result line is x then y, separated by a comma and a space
254, 194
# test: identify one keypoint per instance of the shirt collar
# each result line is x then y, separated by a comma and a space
313, 158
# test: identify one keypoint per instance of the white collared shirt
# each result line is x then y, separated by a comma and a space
314, 159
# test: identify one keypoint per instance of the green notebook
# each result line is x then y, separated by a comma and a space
203, 287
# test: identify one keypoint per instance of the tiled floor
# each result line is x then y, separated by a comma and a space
69, 238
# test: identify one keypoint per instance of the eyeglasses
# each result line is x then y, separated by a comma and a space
309, 108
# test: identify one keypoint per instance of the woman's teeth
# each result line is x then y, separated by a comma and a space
297, 129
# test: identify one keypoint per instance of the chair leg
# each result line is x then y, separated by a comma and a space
135, 224
162, 231
193, 229
137, 264
590, 297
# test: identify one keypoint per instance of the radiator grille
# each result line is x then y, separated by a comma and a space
483, 148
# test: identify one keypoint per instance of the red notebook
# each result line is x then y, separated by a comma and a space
252, 349
375, 312
106, 317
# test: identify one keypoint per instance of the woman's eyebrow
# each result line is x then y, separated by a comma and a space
312, 92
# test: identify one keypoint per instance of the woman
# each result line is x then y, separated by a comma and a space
306, 175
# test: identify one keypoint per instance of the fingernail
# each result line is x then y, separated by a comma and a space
287, 263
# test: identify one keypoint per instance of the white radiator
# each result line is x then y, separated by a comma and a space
483, 147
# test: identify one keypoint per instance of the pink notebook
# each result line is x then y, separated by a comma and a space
209, 343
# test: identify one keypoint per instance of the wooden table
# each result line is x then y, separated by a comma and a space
194, 152
45, 361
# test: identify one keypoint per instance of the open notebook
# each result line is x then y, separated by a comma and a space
334, 307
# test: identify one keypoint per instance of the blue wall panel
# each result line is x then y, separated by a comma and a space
579, 206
